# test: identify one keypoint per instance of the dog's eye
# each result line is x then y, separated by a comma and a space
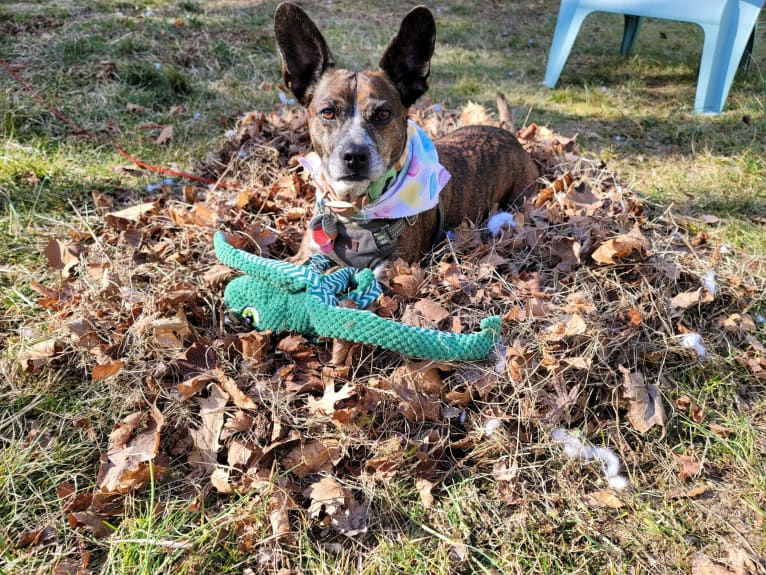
327, 113
381, 116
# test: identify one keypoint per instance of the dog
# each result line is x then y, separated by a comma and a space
384, 190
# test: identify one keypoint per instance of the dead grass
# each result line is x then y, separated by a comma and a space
504, 501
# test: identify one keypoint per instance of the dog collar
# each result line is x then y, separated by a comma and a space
410, 187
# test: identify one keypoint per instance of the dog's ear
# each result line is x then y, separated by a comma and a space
302, 50
407, 59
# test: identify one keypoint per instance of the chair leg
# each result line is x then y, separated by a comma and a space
747, 56
630, 33
568, 25
721, 54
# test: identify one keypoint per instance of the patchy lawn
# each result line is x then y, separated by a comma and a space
143, 434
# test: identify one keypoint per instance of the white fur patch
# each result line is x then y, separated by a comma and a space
576, 449
499, 221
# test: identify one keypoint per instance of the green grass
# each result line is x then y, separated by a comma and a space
216, 59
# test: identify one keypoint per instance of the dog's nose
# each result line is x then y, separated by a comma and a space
356, 157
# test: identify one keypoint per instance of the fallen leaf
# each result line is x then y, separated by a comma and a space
312, 457
431, 310
418, 386
458, 552
644, 401
574, 325
336, 506
619, 248
737, 563
605, 498
133, 445
279, 505
219, 479
326, 404
424, 487
688, 466
63, 257
165, 135
237, 395
103, 371
39, 355
720, 430
92, 521
39, 536
204, 456
255, 345
687, 299
133, 214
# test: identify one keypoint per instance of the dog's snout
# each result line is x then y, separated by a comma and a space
356, 157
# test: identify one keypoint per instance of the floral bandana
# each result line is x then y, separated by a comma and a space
415, 189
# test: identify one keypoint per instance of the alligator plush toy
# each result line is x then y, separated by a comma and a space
281, 296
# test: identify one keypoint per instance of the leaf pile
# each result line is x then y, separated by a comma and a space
606, 302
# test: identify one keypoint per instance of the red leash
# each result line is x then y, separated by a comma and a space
79, 130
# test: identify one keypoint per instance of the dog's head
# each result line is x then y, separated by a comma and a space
357, 120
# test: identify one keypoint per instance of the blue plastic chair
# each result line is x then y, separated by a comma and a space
728, 25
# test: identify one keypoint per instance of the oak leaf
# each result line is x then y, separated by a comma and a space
335, 505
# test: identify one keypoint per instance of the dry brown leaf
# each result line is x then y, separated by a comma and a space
645, 408
196, 384
63, 257
129, 460
206, 437
619, 248
737, 563
605, 498
133, 213
431, 310
279, 504
691, 493
166, 134
312, 457
424, 487
219, 479
688, 466
687, 299
566, 252
574, 325
327, 497
737, 323
255, 345
106, 370
336, 506
237, 395
418, 386
39, 355
92, 521
720, 430
326, 405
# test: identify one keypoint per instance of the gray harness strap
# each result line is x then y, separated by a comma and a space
365, 243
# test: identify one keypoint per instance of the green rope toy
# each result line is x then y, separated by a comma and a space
280, 296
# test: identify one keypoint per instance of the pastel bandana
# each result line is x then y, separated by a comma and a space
415, 189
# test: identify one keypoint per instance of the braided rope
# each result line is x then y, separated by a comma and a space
366, 327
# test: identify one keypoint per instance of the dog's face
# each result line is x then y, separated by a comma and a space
357, 120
